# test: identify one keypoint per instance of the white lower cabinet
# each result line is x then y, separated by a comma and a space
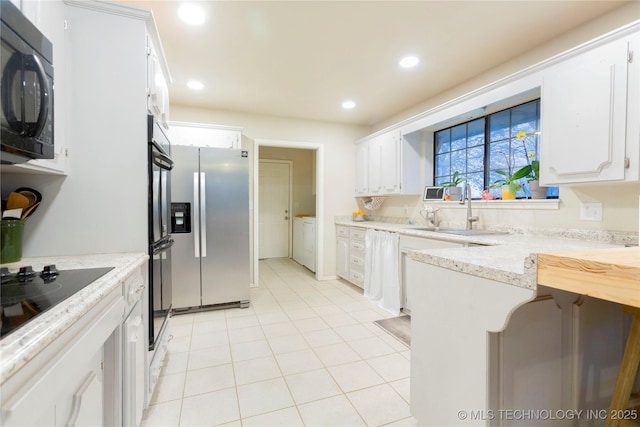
134, 349
133, 367
84, 406
93, 374
342, 251
64, 384
415, 243
350, 251
558, 352
356, 255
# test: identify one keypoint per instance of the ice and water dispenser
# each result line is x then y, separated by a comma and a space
180, 217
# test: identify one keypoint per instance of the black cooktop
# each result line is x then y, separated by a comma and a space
27, 293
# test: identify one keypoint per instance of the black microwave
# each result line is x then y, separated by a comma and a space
26, 115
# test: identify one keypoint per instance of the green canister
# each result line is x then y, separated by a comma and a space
11, 238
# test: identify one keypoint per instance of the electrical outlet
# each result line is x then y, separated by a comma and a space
591, 211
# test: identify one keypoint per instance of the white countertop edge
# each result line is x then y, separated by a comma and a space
23, 344
506, 258
525, 279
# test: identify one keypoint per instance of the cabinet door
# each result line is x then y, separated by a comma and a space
390, 163
83, 407
342, 257
133, 367
362, 169
375, 163
583, 117
158, 101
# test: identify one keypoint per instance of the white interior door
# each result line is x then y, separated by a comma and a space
274, 182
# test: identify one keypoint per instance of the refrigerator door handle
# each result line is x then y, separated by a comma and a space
203, 213
196, 216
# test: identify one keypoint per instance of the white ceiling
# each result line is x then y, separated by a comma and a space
301, 59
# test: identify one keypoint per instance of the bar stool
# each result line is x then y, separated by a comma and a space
622, 399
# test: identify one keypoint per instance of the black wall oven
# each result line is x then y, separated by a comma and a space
160, 242
26, 61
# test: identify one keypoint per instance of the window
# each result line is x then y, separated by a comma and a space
477, 149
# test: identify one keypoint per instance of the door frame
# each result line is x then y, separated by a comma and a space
319, 177
289, 207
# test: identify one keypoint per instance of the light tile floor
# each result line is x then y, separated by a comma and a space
306, 353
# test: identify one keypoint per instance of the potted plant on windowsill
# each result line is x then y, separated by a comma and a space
537, 191
510, 184
452, 186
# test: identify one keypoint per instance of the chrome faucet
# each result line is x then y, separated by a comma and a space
431, 215
470, 218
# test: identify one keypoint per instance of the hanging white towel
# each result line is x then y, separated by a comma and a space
381, 275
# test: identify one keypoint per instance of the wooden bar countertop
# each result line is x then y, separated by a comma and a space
610, 274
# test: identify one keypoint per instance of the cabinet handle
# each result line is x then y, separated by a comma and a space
77, 399
135, 293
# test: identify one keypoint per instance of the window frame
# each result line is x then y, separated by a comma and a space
486, 135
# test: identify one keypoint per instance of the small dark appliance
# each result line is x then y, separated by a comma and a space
27, 293
26, 89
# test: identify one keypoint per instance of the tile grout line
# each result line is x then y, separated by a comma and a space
313, 294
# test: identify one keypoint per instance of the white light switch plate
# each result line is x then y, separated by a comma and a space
591, 211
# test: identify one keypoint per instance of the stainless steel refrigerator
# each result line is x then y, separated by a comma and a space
210, 227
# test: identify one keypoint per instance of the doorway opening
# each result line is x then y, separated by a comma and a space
305, 198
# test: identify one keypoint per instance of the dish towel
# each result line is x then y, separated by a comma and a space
381, 273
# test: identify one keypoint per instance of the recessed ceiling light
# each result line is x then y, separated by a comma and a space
191, 14
195, 85
409, 61
348, 105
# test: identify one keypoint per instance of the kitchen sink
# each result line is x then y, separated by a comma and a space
461, 232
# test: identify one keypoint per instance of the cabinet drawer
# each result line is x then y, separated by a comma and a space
357, 278
342, 231
357, 246
357, 233
356, 263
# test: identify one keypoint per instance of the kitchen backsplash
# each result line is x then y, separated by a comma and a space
619, 223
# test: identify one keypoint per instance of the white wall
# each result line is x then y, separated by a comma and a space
304, 201
339, 156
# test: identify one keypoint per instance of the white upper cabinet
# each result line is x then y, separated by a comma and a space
362, 169
158, 89
589, 116
376, 164
204, 135
388, 164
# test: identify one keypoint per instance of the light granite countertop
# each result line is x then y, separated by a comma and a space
508, 258
20, 346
